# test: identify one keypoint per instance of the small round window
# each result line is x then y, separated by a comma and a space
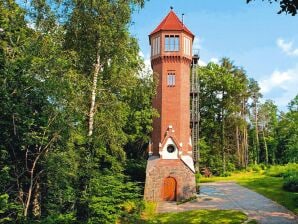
170, 148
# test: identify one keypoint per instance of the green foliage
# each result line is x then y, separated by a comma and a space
225, 174
281, 170
59, 219
287, 135
256, 167
223, 91
136, 169
132, 211
61, 171
108, 196
9, 211
45, 76
149, 210
291, 181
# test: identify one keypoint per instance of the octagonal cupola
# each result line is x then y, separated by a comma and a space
171, 37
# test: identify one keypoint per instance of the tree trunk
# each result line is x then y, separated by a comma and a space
29, 193
238, 146
257, 134
223, 136
266, 148
97, 67
36, 202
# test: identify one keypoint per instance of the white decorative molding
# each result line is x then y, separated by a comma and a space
169, 155
188, 162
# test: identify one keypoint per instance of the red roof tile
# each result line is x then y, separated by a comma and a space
172, 22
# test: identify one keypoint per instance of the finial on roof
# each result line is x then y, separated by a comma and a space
171, 8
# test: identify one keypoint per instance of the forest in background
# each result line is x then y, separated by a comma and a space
237, 127
75, 114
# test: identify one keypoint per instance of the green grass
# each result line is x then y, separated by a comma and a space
200, 216
270, 187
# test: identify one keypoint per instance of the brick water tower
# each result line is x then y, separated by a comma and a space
170, 167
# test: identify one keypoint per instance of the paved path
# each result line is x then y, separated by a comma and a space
229, 195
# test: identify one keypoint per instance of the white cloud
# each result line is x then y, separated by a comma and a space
214, 60
281, 86
287, 47
202, 63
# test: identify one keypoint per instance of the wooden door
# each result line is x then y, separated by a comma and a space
169, 190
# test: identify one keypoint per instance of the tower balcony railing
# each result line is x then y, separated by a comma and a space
196, 53
195, 56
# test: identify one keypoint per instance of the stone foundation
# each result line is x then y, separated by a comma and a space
159, 169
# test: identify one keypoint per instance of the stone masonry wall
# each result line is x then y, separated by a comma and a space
158, 169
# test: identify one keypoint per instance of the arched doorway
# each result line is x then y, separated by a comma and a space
169, 189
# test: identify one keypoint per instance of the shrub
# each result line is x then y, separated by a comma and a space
279, 170
225, 174
198, 177
291, 182
59, 219
230, 167
254, 167
263, 166
149, 210
132, 211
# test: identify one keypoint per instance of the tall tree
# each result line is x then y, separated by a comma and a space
268, 123
255, 94
222, 89
287, 134
34, 96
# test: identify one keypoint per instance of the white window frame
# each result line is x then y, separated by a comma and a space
171, 79
172, 43
155, 49
187, 46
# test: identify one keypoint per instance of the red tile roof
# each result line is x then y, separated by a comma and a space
172, 22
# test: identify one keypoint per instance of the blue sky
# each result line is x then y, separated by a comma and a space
252, 35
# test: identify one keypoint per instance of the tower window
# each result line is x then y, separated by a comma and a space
187, 47
155, 46
172, 43
171, 79
171, 148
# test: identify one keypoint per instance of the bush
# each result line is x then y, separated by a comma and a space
198, 177
255, 168
291, 182
149, 210
225, 174
263, 166
59, 219
281, 170
9, 211
132, 211
230, 167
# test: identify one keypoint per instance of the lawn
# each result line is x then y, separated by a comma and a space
200, 216
271, 187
